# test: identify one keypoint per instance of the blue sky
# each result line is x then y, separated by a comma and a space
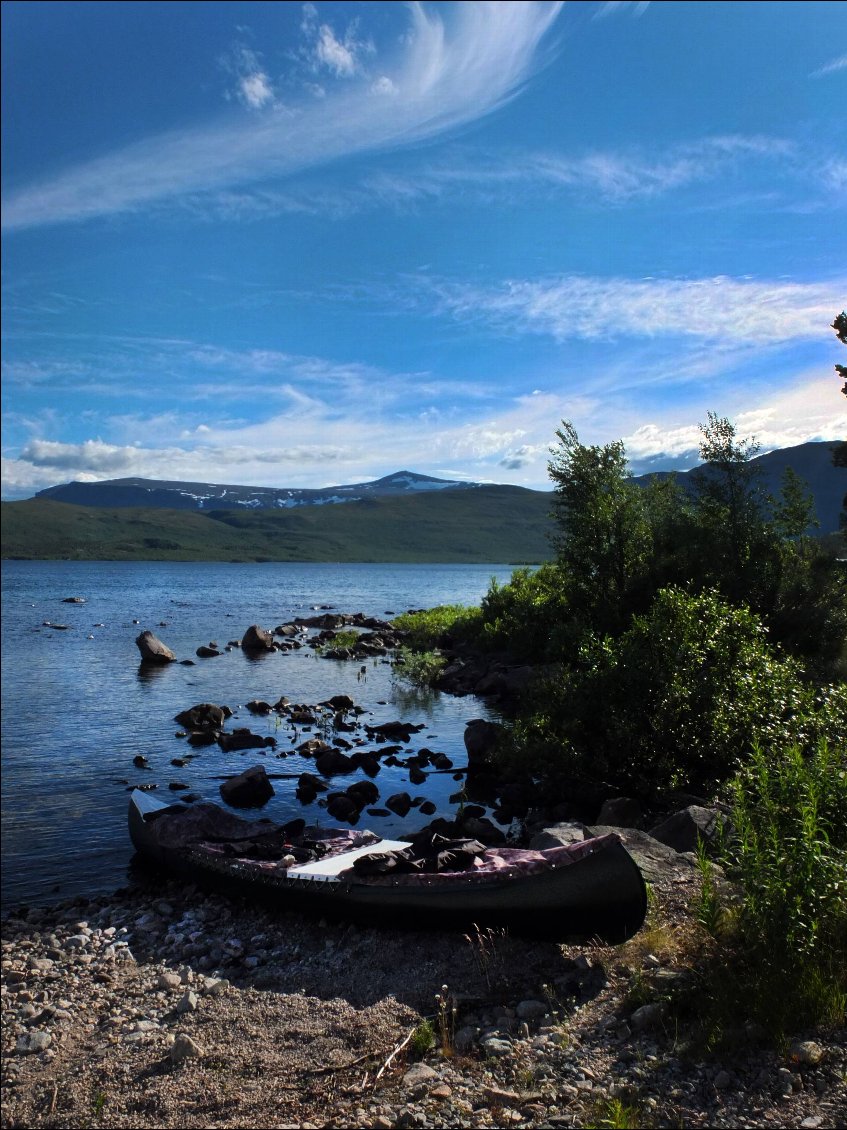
294, 244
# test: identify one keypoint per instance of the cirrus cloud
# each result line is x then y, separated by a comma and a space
449, 74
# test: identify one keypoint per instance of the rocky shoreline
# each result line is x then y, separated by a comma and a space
165, 1007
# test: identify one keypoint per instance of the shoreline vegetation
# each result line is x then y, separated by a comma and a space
680, 650
690, 645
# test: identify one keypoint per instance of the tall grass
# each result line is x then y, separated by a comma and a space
789, 854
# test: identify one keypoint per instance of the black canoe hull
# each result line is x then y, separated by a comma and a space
600, 896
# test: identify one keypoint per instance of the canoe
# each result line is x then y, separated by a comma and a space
591, 889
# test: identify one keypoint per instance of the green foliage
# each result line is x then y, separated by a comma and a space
790, 851
423, 1039
527, 615
433, 627
604, 535
422, 668
345, 638
684, 692
783, 957
615, 1114
708, 909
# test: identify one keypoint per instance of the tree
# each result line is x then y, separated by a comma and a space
840, 327
732, 512
603, 541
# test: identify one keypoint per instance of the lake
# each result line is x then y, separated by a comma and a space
77, 707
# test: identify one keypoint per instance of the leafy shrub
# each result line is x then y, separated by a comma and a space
674, 702
526, 615
419, 667
433, 627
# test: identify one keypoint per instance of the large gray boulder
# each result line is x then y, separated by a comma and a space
153, 650
557, 835
682, 829
656, 860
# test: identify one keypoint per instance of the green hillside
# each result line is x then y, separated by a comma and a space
489, 523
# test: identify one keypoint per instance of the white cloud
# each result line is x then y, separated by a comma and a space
256, 90
449, 75
338, 57
837, 64
718, 308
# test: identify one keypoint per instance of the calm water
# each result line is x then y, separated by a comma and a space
77, 709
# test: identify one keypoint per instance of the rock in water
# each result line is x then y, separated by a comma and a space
153, 650
250, 789
257, 639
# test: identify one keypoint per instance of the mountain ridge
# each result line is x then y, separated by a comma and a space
403, 517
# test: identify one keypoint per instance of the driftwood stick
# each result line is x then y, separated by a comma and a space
396, 1051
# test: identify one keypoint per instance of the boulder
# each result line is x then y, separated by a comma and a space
257, 639
342, 807
203, 716
363, 793
559, 835
481, 739
682, 829
399, 804
259, 706
153, 650
621, 812
394, 731
308, 787
207, 652
656, 860
333, 761
244, 739
250, 789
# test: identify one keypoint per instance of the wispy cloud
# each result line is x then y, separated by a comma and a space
718, 308
610, 178
610, 7
449, 74
837, 64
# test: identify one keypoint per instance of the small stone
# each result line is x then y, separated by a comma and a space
188, 1003
169, 981
531, 1010
723, 1081
417, 1075
812, 1122
32, 1042
648, 1016
805, 1051
185, 1048
496, 1048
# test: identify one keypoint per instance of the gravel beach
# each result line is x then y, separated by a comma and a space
168, 1007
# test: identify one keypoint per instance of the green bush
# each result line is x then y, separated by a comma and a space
435, 627
526, 615
421, 668
675, 702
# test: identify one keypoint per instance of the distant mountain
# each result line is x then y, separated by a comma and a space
504, 524
213, 496
402, 517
